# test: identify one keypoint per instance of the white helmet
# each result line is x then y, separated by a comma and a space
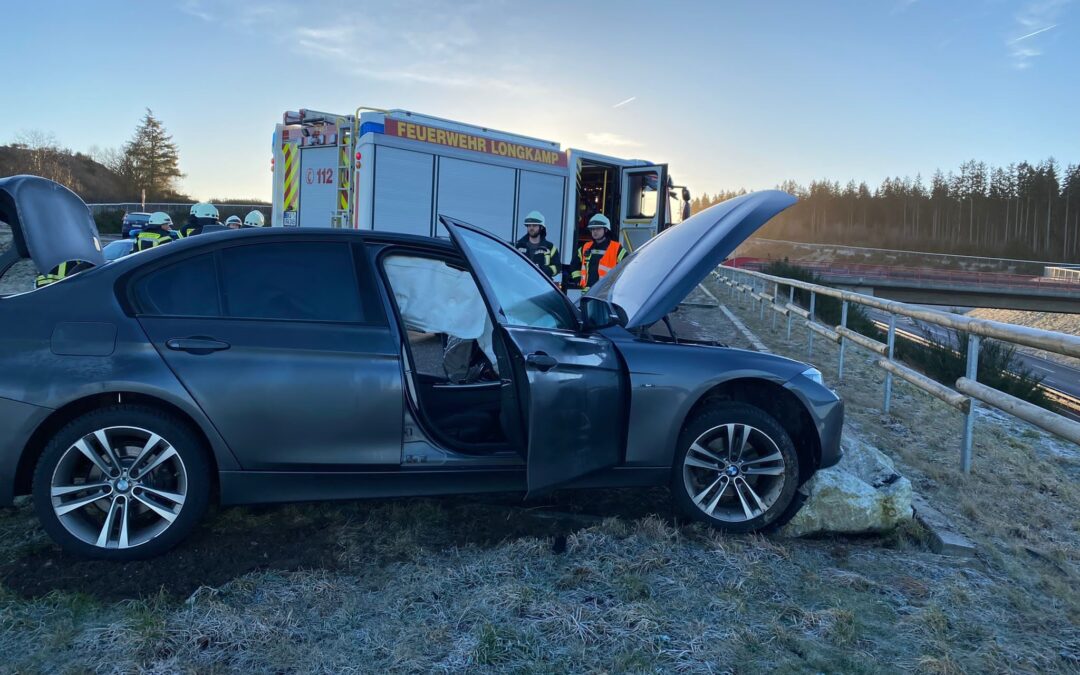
233, 220
204, 210
535, 217
254, 219
159, 219
599, 220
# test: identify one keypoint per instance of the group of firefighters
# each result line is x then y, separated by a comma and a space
159, 227
595, 258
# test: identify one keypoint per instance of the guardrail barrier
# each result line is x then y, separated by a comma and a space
765, 289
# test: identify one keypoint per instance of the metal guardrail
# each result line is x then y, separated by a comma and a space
967, 389
930, 277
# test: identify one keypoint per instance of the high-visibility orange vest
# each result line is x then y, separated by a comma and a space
607, 262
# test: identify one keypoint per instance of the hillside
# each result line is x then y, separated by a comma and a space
92, 181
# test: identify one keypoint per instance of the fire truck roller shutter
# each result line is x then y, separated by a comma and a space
403, 191
545, 193
479, 194
318, 185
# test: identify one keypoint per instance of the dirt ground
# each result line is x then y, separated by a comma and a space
492, 584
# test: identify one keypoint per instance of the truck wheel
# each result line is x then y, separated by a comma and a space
122, 483
735, 469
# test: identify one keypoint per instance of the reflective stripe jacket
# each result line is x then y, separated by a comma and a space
150, 238
58, 273
595, 260
61, 271
544, 254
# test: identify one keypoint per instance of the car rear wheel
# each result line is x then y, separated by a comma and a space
122, 483
736, 468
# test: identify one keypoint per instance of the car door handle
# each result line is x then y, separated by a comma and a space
541, 361
196, 345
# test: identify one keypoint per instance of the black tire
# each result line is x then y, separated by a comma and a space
766, 438
194, 464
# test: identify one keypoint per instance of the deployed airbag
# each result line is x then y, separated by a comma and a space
434, 297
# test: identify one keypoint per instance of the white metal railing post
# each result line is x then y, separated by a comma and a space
810, 320
969, 420
775, 293
843, 340
888, 376
791, 301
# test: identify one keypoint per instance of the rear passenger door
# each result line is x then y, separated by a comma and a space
286, 347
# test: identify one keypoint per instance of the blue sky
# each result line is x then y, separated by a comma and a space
730, 94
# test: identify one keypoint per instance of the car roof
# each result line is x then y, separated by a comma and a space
285, 234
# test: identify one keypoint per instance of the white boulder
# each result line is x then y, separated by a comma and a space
862, 493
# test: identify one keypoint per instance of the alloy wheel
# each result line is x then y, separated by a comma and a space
118, 487
734, 472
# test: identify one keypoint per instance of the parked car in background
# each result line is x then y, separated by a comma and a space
118, 249
296, 364
133, 221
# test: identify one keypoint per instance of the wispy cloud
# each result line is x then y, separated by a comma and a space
1034, 19
902, 6
622, 103
197, 9
608, 139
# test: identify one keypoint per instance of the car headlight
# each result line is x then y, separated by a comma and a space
814, 374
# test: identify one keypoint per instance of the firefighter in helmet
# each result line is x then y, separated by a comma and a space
155, 233
61, 271
254, 219
201, 215
233, 222
536, 247
599, 255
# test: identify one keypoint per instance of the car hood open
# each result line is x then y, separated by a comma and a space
654, 279
50, 224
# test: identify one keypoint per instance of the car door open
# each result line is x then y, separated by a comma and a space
569, 383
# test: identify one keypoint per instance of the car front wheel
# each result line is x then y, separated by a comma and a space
736, 468
121, 483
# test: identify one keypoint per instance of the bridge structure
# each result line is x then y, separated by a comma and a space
954, 288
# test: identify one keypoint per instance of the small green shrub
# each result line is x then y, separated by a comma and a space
826, 308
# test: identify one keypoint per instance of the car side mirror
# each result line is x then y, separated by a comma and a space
599, 314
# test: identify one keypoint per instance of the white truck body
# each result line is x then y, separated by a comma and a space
398, 171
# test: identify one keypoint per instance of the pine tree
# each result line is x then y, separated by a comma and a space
153, 158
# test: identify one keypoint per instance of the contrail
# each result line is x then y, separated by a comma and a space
632, 98
1024, 37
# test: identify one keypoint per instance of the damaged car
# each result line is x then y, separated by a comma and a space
297, 364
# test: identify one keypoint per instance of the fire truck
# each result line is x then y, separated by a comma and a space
398, 170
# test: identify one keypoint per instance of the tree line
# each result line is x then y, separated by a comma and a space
1023, 210
147, 165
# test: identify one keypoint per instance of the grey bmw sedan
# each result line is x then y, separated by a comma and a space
280, 365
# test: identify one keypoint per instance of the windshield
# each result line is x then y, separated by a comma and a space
523, 294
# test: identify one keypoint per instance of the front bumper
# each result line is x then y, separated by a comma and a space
827, 412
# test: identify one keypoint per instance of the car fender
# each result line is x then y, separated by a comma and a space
667, 380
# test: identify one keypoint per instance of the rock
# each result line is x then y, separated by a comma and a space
863, 493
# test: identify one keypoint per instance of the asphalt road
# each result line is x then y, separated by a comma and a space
1056, 376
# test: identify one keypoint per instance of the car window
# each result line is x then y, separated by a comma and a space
185, 288
521, 290
295, 281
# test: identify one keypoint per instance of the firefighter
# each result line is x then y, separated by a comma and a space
254, 219
61, 271
201, 214
535, 246
155, 233
233, 222
598, 256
